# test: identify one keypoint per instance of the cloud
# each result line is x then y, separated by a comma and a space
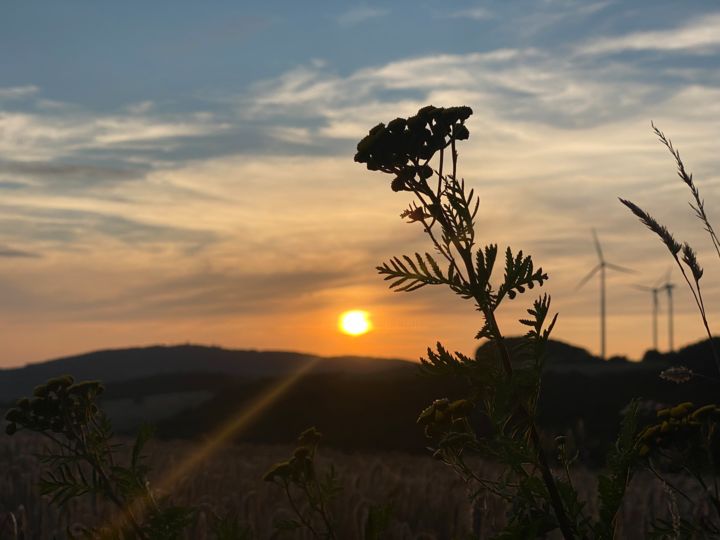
50, 172
475, 13
17, 92
360, 14
72, 230
213, 293
6, 252
700, 35
63, 131
515, 84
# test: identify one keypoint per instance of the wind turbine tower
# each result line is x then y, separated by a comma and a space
601, 267
669, 286
655, 290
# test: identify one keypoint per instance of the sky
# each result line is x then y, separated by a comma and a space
182, 172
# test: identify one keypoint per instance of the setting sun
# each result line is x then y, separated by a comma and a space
355, 322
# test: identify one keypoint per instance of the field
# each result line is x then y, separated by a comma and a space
428, 501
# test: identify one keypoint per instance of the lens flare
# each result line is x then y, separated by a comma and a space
214, 441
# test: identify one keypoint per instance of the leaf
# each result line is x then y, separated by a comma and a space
520, 275
442, 362
410, 275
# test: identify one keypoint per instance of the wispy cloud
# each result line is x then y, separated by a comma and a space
18, 92
699, 35
360, 14
516, 84
63, 130
475, 13
15, 253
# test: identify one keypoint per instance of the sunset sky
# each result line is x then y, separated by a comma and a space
176, 172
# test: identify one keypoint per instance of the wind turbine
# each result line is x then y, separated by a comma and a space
669, 286
655, 290
602, 266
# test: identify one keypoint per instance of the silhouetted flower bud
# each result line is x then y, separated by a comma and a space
425, 172
398, 184
11, 429
426, 152
460, 132
279, 470
426, 416
461, 407
649, 432
426, 113
397, 125
702, 412
23, 404
40, 390
461, 113
441, 404
85, 389
57, 384
681, 410
310, 437
416, 123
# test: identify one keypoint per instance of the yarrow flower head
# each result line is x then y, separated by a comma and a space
405, 146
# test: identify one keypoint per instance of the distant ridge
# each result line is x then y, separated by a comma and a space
118, 365
561, 356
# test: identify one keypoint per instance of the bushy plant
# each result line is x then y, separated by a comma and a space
81, 459
310, 494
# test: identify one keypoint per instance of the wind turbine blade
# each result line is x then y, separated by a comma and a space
620, 268
584, 280
597, 246
643, 288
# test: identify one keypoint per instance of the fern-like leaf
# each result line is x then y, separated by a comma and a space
520, 274
408, 274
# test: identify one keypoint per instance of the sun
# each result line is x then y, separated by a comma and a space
355, 322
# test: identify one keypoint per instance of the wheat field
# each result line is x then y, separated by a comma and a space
428, 501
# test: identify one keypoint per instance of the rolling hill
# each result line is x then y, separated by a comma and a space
114, 366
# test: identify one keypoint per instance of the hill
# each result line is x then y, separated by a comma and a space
359, 403
113, 366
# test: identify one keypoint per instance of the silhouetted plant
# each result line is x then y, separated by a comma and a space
82, 459
503, 385
685, 438
310, 494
